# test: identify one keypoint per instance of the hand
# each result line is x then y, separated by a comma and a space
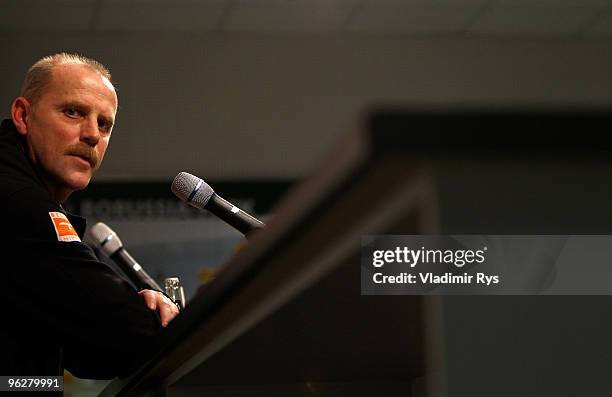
155, 300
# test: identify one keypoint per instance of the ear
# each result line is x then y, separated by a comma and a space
20, 110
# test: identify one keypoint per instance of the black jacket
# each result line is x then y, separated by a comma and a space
62, 307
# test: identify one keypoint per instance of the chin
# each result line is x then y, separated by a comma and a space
78, 183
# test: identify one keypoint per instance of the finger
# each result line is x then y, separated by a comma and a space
150, 298
167, 312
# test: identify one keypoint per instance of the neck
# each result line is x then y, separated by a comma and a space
57, 193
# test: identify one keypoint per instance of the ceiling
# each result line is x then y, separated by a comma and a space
488, 18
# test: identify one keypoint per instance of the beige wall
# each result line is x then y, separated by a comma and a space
228, 106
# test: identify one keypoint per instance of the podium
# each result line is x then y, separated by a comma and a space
286, 315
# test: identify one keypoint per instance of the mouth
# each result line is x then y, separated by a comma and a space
85, 154
91, 162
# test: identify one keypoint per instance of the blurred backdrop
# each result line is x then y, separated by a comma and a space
250, 94
234, 89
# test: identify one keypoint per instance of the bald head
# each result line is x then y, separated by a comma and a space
39, 75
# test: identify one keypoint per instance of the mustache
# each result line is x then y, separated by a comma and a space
86, 152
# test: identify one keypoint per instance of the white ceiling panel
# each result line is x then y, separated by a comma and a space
291, 16
411, 19
160, 15
427, 3
50, 3
311, 3
46, 15
556, 4
535, 21
601, 28
497, 18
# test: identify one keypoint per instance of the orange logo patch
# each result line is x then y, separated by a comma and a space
63, 228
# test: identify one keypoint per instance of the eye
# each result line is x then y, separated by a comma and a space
105, 125
72, 112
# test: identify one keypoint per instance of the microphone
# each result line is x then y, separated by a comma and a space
197, 193
108, 242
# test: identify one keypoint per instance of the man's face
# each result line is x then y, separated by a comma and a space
69, 126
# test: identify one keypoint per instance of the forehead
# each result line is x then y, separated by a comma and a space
75, 82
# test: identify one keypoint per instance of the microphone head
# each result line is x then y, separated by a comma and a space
191, 189
104, 238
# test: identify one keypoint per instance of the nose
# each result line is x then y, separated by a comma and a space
90, 133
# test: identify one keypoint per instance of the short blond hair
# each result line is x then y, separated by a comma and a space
39, 74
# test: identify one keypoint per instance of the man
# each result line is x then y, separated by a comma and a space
62, 307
